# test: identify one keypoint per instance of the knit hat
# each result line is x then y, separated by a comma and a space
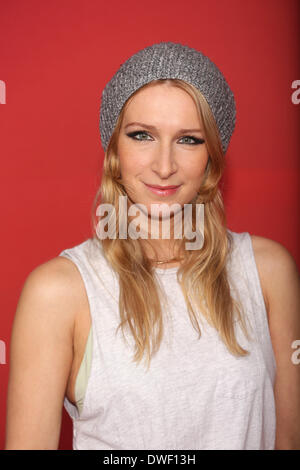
169, 60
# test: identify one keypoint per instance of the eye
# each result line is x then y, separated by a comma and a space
139, 135
190, 140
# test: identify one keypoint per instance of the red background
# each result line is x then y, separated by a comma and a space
55, 59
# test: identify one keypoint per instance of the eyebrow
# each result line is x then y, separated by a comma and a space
148, 126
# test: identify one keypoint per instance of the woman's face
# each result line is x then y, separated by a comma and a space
161, 143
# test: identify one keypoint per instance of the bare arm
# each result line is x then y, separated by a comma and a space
41, 353
281, 281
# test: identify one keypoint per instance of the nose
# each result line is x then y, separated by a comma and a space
164, 163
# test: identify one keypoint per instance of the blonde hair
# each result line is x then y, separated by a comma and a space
203, 273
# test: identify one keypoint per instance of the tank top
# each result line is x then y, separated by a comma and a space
196, 394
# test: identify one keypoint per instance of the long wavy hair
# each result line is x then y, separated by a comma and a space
202, 274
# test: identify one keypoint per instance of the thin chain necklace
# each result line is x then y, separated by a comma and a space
165, 261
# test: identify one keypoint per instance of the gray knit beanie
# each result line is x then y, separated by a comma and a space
168, 60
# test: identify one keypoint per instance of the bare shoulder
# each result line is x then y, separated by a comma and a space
56, 272
276, 266
56, 282
271, 254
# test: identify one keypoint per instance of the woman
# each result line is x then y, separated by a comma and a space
150, 342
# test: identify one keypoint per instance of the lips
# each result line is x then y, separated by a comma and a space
162, 187
162, 190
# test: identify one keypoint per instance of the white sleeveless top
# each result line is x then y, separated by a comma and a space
196, 394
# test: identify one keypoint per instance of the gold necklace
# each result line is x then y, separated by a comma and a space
165, 261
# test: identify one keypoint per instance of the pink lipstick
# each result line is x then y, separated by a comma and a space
162, 190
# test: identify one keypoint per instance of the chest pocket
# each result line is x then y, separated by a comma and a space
235, 384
